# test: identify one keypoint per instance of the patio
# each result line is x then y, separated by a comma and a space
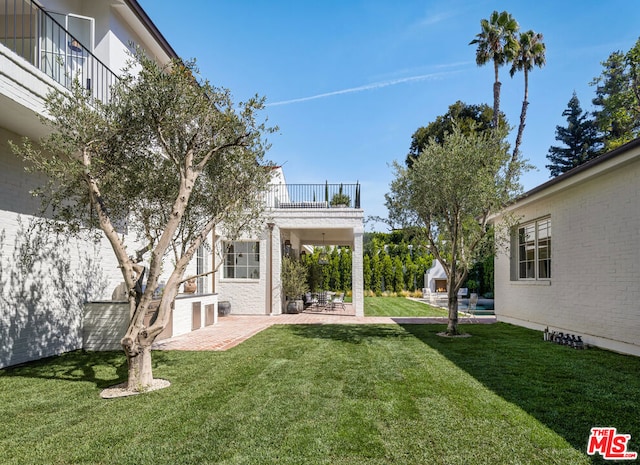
234, 329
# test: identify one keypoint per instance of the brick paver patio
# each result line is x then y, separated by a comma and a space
231, 330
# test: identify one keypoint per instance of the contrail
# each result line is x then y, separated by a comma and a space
375, 85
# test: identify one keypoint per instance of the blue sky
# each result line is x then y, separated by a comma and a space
349, 81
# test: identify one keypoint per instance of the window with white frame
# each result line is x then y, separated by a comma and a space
241, 260
201, 268
534, 250
66, 40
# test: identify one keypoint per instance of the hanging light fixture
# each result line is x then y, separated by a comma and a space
323, 259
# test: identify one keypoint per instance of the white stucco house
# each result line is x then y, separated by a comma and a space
297, 215
573, 263
45, 45
46, 281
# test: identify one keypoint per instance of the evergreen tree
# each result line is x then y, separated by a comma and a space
618, 98
423, 263
314, 271
366, 271
398, 275
410, 273
345, 268
335, 283
376, 274
387, 272
580, 138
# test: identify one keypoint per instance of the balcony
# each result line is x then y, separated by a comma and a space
41, 38
296, 196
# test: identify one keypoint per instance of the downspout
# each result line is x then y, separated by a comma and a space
270, 273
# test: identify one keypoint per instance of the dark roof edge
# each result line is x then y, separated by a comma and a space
580, 168
155, 32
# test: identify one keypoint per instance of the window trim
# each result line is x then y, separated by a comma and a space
250, 268
202, 266
538, 243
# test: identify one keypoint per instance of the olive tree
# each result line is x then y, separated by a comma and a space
449, 193
168, 158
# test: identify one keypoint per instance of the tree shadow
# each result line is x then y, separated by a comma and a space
101, 368
44, 283
570, 391
104, 369
351, 334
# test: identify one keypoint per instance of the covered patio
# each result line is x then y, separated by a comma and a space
300, 231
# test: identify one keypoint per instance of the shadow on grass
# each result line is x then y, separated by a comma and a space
570, 391
102, 368
351, 334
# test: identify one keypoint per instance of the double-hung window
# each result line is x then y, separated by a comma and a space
242, 260
534, 250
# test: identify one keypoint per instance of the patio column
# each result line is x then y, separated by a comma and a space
357, 274
273, 301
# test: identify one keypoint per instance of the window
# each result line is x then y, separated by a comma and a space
201, 268
66, 40
242, 260
534, 250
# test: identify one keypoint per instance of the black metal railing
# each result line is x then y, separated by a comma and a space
286, 196
38, 37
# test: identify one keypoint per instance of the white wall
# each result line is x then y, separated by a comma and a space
114, 29
44, 280
435, 272
594, 289
247, 296
183, 315
105, 323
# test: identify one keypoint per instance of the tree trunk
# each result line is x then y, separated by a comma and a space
137, 348
523, 118
496, 96
452, 327
140, 370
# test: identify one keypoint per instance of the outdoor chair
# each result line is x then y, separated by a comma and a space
338, 301
309, 300
322, 298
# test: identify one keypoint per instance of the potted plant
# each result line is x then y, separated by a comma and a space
340, 199
294, 283
472, 284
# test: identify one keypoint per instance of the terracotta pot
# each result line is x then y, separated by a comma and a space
190, 286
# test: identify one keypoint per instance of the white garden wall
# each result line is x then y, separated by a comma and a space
105, 323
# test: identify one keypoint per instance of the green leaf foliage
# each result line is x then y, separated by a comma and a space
617, 98
580, 139
468, 118
449, 193
168, 156
293, 276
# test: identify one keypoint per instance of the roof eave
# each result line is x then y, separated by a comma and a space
151, 27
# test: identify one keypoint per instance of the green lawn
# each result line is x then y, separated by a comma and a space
399, 306
324, 394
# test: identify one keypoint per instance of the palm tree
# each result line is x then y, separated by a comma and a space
498, 43
531, 53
